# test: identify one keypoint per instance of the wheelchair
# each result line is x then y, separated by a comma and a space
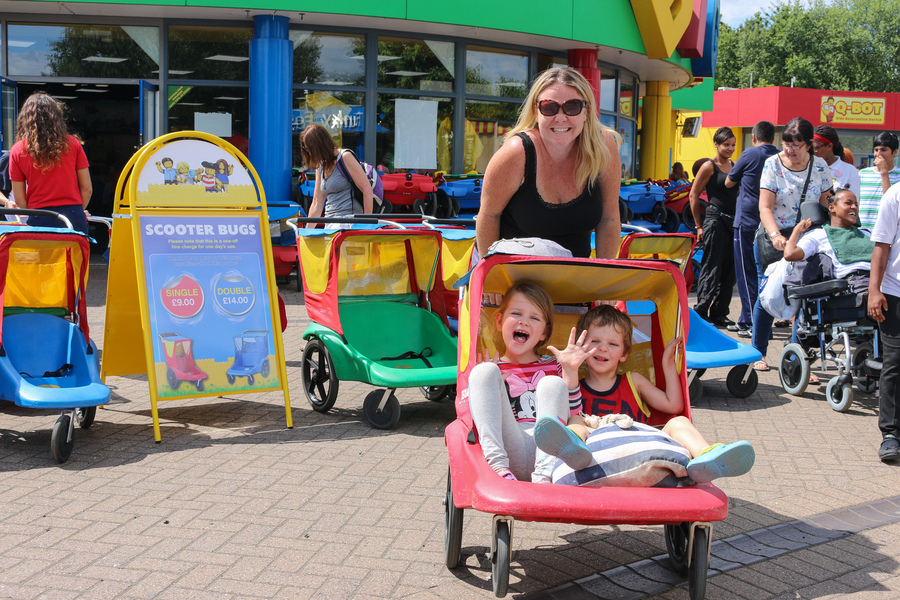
833, 327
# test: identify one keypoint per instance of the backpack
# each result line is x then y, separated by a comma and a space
5, 181
371, 175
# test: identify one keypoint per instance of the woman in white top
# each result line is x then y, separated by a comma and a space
827, 146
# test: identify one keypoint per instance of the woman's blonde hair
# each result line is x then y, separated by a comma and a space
593, 153
42, 125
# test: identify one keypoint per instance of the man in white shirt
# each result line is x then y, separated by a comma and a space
875, 181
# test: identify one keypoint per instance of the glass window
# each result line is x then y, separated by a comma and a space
191, 106
342, 113
494, 72
545, 61
627, 150
608, 90
408, 64
329, 58
411, 118
627, 96
486, 124
209, 53
83, 51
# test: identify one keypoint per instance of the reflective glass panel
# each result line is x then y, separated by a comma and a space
608, 90
329, 59
342, 113
408, 64
209, 53
83, 51
545, 61
627, 96
199, 107
627, 150
486, 124
494, 72
409, 134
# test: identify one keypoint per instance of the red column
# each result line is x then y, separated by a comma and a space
584, 60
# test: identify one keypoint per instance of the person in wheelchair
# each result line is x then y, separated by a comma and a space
847, 246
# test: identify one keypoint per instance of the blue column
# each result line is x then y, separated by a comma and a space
271, 78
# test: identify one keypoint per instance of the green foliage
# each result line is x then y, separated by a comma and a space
841, 45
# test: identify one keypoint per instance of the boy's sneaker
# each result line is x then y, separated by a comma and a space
554, 438
890, 449
721, 460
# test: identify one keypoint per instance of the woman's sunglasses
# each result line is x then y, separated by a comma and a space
550, 108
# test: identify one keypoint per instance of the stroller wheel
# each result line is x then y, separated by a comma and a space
264, 371
500, 561
677, 546
697, 571
171, 379
384, 418
431, 204
865, 382
672, 221
695, 390
319, 380
736, 384
418, 206
85, 416
199, 385
453, 526
60, 444
230, 378
438, 393
793, 369
250, 379
839, 396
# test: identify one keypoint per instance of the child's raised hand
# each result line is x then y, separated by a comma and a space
486, 357
673, 345
804, 225
575, 353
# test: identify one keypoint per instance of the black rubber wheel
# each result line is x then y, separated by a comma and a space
171, 379
695, 390
418, 206
700, 372
386, 418
839, 397
60, 448
500, 561
697, 572
431, 204
265, 369
623, 211
677, 537
864, 383
85, 416
736, 386
199, 385
658, 214
453, 526
319, 380
250, 379
672, 221
438, 393
687, 217
793, 369
386, 207
454, 210
230, 378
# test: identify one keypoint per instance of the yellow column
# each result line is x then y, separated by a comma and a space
649, 130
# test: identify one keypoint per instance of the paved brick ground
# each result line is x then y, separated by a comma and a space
232, 505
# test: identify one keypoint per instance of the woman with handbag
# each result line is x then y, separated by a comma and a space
715, 282
788, 179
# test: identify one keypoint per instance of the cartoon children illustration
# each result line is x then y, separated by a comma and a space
170, 175
185, 173
828, 109
208, 177
223, 170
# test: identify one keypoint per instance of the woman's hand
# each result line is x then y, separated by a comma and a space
699, 234
779, 241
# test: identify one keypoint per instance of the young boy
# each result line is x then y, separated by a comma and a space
604, 341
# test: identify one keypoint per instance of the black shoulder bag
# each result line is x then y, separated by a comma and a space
768, 254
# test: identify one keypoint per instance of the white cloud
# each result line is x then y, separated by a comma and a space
735, 12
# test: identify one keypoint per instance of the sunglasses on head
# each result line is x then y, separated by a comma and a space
550, 108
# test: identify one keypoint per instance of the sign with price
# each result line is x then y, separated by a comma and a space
191, 249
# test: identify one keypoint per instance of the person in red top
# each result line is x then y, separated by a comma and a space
47, 166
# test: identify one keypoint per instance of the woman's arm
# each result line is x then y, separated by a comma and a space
767, 217
606, 235
503, 176
791, 251
85, 186
698, 186
355, 170
317, 207
19, 194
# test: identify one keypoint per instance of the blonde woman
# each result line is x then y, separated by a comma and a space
557, 174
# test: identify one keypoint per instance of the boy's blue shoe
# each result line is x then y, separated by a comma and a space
721, 460
554, 438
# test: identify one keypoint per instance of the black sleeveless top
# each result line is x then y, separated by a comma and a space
720, 196
569, 225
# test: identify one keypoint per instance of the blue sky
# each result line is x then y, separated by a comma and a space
735, 12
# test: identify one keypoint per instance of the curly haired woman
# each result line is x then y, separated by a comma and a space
48, 167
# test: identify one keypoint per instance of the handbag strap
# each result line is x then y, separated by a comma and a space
806, 183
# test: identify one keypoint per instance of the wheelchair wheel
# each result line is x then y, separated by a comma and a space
839, 397
736, 384
793, 369
864, 383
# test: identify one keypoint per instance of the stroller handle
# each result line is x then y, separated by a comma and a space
35, 212
351, 220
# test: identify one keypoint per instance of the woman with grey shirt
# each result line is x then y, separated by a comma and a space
332, 195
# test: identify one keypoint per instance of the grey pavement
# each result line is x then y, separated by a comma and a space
233, 505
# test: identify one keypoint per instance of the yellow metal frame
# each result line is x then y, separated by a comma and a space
127, 303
